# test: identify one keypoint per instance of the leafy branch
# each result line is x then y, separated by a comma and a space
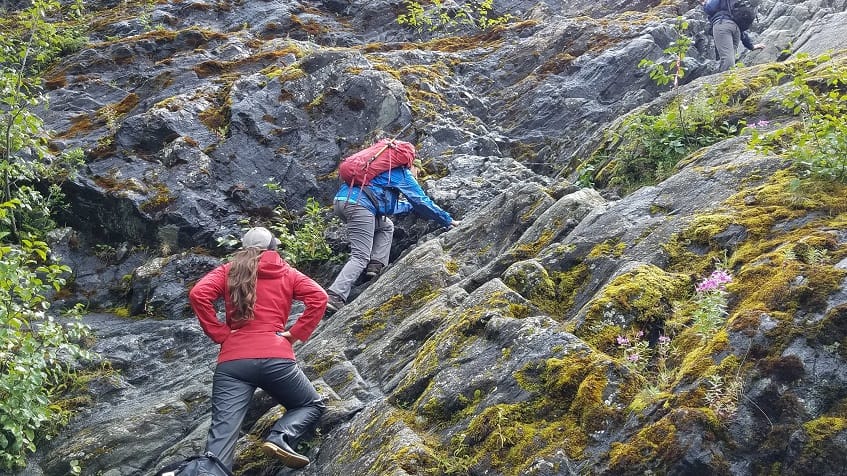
818, 142
450, 16
38, 352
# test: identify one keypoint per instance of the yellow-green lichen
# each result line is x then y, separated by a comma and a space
452, 266
530, 214
160, 199
285, 73
820, 430
322, 363
660, 445
121, 312
700, 356
396, 307
554, 293
566, 404
519, 311
609, 248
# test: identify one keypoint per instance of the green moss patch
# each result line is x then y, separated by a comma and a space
642, 298
530, 250
821, 430
395, 308
786, 263
566, 404
660, 445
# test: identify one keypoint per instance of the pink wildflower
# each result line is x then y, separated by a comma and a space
721, 276
632, 357
622, 340
664, 339
715, 281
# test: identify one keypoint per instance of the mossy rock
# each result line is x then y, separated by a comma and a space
643, 298
670, 444
529, 279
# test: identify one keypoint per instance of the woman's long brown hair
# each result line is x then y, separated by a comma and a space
241, 281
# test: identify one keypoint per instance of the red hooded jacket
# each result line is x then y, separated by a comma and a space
277, 284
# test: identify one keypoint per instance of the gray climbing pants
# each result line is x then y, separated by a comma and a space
727, 36
232, 389
370, 239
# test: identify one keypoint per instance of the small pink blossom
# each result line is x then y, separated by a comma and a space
715, 282
632, 357
622, 340
759, 124
664, 340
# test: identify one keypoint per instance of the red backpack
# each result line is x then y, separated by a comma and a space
361, 167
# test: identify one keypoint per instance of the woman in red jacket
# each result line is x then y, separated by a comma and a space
258, 287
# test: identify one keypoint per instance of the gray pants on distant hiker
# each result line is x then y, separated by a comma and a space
232, 389
370, 239
727, 35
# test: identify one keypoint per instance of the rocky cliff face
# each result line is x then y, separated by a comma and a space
490, 348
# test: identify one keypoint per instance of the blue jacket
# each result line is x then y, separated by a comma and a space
718, 10
386, 188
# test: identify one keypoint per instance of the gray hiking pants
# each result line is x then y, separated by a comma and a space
727, 35
232, 389
370, 239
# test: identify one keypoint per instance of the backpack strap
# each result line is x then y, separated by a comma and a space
370, 194
367, 192
388, 144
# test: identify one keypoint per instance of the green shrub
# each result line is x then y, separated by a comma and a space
670, 68
303, 239
37, 352
650, 146
24, 159
446, 17
818, 143
646, 148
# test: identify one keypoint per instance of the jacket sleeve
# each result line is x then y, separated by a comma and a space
314, 298
745, 40
420, 203
402, 207
202, 297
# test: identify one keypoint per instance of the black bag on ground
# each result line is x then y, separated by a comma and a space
205, 465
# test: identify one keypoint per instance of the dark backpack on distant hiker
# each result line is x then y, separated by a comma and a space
205, 465
360, 168
743, 12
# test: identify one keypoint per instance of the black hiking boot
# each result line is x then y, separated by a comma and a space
276, 447
373, 269
334, 302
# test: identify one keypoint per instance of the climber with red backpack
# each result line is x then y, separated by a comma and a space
372, 181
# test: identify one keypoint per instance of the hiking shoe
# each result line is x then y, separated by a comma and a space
373, 269
276, 447
334, 302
